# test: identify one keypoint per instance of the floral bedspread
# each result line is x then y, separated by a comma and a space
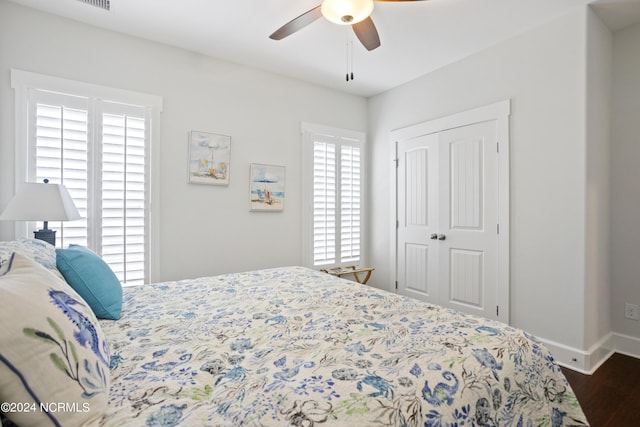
293, 346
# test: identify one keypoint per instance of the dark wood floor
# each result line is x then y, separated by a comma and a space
611, 396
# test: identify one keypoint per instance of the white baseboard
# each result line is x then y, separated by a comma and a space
588, 361
625, 344
582, 361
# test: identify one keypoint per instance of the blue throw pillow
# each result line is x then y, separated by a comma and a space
93, 279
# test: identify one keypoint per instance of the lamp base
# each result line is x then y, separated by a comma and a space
47, 235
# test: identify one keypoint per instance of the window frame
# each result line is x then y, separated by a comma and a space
311, 132
24, 82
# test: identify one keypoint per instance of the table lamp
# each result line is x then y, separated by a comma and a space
41, 202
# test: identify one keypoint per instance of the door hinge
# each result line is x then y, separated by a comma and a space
497, 147
396, 284
497, 310
396, 161
497, 228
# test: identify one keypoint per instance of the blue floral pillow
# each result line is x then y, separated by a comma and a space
52, 350
38, 250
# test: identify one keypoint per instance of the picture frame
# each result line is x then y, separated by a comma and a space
209, 158
266, 187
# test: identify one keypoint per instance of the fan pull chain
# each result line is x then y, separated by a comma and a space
349, 75
351, 46
347, 46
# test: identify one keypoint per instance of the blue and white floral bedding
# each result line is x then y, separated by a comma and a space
296, 347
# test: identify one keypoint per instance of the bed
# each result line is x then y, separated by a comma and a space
297, 347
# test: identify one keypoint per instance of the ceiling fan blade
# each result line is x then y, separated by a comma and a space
296, 24
367, 33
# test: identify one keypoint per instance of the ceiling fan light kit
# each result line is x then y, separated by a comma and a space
346, 12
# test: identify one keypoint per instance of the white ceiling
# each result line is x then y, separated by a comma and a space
417, 37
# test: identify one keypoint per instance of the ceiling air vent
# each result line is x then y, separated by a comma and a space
103, 4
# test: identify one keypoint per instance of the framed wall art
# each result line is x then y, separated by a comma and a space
267, 190
209, 158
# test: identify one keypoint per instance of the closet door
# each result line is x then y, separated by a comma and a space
447, 216
467, 200
417, 212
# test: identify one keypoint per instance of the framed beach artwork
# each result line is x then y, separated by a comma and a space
266, 187
209, 156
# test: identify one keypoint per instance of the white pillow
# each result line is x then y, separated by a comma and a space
54, 360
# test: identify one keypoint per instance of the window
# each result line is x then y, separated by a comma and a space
99, 147
333, 196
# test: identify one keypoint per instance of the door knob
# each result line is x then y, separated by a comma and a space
434, 236
441, 237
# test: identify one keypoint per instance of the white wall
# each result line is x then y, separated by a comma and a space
625, 180
599, 63
543, 73
205, 229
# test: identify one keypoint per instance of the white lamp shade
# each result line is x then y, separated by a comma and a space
41, 202
346, 12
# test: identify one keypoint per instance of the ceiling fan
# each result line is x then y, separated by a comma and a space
343, 12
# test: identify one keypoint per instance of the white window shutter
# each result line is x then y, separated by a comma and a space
324, 203
61, 156
333, 196
123, 195
350, 203
106, 174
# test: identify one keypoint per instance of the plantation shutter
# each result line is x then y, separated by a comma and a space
336, 188
61, 130
324, 203
349, 203
124, 183
99, 151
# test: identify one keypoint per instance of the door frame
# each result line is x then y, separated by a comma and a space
500, 112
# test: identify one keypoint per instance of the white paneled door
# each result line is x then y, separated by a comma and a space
447, 236
418, 212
